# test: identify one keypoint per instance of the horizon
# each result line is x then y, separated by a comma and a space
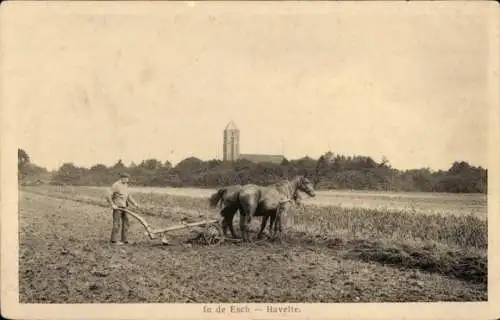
302, 80
128, 164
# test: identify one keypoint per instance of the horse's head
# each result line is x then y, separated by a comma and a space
305, 185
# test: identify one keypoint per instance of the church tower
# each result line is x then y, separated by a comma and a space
231, 143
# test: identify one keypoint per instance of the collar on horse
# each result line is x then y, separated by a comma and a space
293, 199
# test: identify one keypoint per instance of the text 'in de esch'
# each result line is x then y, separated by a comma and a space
246, 309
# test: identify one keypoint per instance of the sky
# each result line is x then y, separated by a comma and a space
94, 84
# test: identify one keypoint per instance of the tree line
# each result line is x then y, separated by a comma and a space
328, 172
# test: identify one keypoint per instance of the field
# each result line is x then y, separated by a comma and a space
425, 203
340, 247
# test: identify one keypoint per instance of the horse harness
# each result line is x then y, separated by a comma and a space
282, 202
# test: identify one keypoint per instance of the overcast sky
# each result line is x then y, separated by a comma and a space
404, 80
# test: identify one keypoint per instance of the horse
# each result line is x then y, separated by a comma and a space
227, 196
269, 201
231, 210
275, 224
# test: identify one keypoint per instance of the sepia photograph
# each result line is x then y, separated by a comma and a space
250, 160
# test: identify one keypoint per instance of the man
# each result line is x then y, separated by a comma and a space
119, 198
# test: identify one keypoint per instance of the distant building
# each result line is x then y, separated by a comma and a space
231, 143
259, 158
231, 148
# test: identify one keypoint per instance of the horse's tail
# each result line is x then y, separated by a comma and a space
216, 197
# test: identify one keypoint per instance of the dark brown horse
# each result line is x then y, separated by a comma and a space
276, 217
269, 201
228, 198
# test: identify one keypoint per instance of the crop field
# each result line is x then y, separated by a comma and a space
339, 247
416, 202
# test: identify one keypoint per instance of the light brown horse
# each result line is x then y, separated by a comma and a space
269, 201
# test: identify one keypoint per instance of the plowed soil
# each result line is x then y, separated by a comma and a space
65, 257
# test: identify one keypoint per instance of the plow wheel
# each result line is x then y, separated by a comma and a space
212, 234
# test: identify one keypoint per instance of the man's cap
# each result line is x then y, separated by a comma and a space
124, 175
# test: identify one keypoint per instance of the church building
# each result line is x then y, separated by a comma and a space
231, 148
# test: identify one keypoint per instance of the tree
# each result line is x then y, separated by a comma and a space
68, 173
151, 164
459, 167
98, 168
117, 168
385, 162
22, 157
119, 165
23, 160
323, 164
167, 165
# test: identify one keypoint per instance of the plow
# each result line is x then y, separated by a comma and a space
209, 232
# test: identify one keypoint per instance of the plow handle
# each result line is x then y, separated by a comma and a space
152, 233
142, 221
